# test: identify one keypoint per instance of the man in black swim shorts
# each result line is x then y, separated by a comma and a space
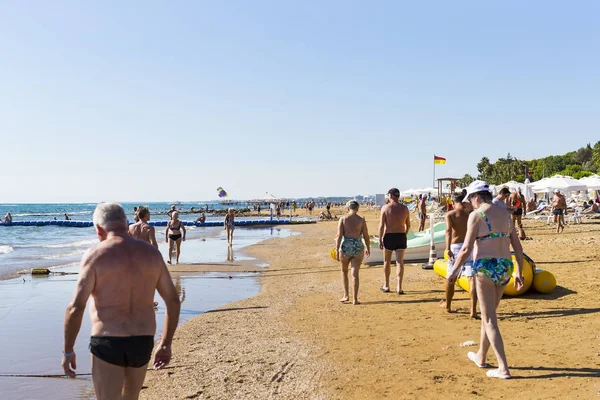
559, 206
394, 223
121, 274
394, 241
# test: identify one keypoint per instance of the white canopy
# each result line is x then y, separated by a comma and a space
426, 190
515, 186
562, 183
591, 182
512, 186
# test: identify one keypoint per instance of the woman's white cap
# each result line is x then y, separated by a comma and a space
476, 186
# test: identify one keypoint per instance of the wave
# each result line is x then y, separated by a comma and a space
80, 243
61, 255
5, 249
59, 266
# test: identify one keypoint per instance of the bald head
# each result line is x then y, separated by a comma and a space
110, 217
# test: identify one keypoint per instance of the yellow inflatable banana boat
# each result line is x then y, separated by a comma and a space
543, 281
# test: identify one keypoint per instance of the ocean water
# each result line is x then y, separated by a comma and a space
24, 247
28, 303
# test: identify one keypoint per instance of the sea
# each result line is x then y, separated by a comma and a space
25, 247
32, 307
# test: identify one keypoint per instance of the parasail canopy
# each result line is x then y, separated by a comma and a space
221, 192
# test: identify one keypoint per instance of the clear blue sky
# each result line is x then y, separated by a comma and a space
162, 101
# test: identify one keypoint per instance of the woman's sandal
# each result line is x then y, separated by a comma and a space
473, 357
495, 373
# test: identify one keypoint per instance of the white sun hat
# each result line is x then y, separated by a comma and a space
476, 186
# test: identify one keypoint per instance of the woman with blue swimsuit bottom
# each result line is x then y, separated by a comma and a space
350, 249
490, 233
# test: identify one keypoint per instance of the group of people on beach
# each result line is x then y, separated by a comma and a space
353, 243
479, 236
122, 273
175, 231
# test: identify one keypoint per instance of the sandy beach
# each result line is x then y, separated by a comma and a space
29, 366
296, 340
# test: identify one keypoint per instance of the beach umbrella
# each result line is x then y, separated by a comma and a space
528, 192
562, 183
591, 182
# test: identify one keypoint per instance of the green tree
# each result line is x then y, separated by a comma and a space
596, 156
575, 171
577, 164
507, 169
582, 174
464, 181
589, 166
571, 170
485, 169
583, 154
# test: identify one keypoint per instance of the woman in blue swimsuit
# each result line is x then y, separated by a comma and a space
350, 249
490, 233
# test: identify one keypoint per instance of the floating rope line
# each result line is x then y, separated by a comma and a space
8, 375
39, 375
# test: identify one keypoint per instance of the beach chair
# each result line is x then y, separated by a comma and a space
438, 211
575, 217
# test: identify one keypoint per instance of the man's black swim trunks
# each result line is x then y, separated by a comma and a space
128, 351
394, 241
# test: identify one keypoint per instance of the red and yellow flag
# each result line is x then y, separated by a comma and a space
438, 160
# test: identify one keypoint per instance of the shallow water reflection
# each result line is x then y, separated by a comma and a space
32, 313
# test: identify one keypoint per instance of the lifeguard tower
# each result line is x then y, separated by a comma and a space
440, 183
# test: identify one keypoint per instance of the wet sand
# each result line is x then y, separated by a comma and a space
32, 313
296, 340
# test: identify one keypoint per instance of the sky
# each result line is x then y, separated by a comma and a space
165, 101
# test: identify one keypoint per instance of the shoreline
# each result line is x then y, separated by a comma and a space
67, 262
203, 287
294, 339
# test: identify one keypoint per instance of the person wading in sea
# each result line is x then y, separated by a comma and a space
121, 274
141, 230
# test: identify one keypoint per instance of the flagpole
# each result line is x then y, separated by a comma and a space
434, 170
432, 252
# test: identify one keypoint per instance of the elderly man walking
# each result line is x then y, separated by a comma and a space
121, 274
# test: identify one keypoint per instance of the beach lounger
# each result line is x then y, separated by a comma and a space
575, 217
